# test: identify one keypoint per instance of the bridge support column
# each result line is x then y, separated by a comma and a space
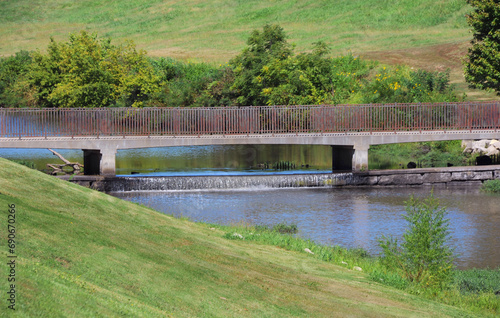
342, 158
360, 157
108, 162
99, 162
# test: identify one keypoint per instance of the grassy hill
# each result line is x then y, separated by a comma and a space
217, 29
81, 253
427, 34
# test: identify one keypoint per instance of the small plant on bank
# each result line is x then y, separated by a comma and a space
423, 258
491, 186
285, 228
29, 164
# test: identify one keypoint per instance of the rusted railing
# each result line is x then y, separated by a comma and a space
248, 120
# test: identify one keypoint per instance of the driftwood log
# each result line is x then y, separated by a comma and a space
71, 167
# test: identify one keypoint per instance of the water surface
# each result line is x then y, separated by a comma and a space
349, 217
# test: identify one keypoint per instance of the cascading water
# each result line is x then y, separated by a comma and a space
122, 184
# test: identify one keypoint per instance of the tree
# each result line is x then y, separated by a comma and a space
482, 67
423, 257
263, 47
14, 87
88, 72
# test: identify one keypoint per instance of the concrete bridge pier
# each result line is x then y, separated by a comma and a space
360, 157
99, 161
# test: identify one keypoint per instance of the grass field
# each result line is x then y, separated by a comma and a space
217, 29
81, 253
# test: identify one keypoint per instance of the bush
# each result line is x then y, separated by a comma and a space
88, 72
491, 186
477, 281
423, 258
285, 228
14, 86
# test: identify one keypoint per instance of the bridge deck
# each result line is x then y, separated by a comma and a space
354, 127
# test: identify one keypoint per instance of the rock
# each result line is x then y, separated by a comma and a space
308, 251
238, 235
411, 165
357, 268
344, 263
492, 151
479, 150
467, 146
483, 143
467, 143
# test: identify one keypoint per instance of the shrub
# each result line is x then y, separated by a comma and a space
89, 72
477, 281
423, 258
491, 186
29, 164
285, 228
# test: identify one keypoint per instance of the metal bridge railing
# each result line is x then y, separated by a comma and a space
96, 122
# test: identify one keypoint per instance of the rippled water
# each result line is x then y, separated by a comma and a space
347, 217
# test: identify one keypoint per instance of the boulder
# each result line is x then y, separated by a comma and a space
480, 150
467, 146
483, 143
492, 151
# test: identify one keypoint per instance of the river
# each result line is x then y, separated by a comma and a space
349, 217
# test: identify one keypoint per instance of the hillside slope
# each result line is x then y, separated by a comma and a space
81, 253
216, 30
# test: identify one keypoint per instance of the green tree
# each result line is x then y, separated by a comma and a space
482, 66
423, 257
88, 72
263, 47
14, 87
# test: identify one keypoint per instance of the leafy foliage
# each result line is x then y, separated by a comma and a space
423, 258
491, 186
91, 72
400, 84
482, 69
14, 87
478, 281
87, 72
191, 84
268, 72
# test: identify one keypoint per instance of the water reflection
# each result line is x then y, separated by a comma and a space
346, 217
193, 160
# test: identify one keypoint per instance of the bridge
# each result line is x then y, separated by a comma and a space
349, 129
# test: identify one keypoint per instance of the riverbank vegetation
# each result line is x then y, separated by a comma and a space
423, 154
491, 186
98, 255
88, 71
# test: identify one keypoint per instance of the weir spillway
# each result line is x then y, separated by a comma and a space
448, 176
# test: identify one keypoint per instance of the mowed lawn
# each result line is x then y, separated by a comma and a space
216, 30
82, 253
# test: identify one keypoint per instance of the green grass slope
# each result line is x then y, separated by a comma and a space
81, 253
215, 30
